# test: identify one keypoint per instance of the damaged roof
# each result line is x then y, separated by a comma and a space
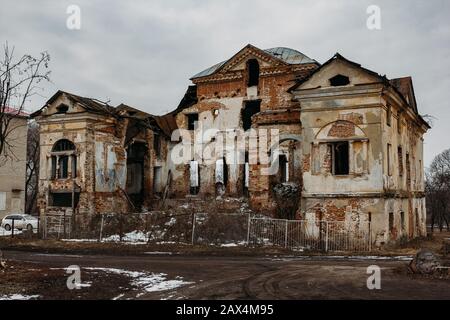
92, 105
405, 87
167, 122
288, 55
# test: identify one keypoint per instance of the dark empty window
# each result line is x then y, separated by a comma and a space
54, 159
251, 108
340, 158
391, 222
400, 161
62, 108
253, 72
63, 167
74, 166
408, 171
63, 200
192, 118
283, 163
339, 80
399, 122
402, 218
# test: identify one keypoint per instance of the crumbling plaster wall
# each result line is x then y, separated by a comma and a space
101, 160
221, 100
372, 193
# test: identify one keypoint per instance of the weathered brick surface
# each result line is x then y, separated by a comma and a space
342, 129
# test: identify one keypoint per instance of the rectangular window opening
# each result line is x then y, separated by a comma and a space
251, 108
63, 167
63, 200
400, 161
389, 157
391, 222
340, 158
402, 217
389, 115
192, 118
283, 163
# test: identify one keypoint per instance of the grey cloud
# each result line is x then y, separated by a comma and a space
143, 52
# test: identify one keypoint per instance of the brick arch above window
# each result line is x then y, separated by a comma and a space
341, 129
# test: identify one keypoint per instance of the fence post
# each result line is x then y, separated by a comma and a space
193, 227
326, 237
286, 235
248, 229
60, 225
45, 228
12, 229
101, 228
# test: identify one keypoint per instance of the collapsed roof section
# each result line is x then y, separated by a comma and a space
165, 124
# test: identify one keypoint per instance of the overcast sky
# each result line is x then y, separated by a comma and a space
143, 52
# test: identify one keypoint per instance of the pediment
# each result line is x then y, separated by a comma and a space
239, 61
337, 69
59, 101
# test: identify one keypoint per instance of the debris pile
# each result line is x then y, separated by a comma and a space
425, 262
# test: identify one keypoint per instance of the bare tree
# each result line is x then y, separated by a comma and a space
19, 81
437, 188
32, 180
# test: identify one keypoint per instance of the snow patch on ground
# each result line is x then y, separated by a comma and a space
133, 237
234, 244
149, 282
79, 240
18, 297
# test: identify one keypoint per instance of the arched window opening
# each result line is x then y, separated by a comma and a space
63, 145
283, 168
63, 160
253, 72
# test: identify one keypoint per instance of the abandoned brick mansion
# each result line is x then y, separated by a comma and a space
349, 142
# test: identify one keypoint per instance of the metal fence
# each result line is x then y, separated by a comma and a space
309, 235
114, 227
220, 228
223, 229
59, 226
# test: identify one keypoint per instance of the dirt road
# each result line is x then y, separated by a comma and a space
220, 277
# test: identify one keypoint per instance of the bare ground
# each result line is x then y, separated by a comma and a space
37, 268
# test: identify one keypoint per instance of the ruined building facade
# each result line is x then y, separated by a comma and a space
348, 140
